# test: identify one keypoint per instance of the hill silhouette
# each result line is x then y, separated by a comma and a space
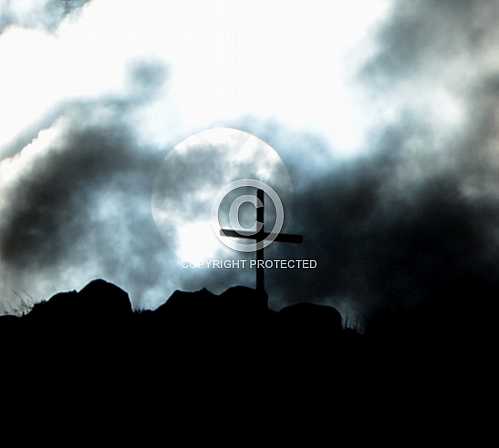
102, 308
199, 347
103, 304
98, 321
192, 332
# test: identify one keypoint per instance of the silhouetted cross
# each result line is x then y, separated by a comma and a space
260, 236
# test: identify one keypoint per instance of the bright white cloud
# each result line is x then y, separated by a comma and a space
227, 59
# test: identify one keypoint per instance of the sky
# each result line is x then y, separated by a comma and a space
383, 112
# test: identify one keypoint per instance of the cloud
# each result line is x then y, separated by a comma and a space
42, 14
428, 37
411, 218
414, 219
76, 201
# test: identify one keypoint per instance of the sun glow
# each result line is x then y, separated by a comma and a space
196, 243
225, 59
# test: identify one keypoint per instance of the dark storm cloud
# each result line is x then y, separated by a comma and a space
52, 198
399, 227
82, 201
46, 14
423, 36
404, 225
394, 228
383, 242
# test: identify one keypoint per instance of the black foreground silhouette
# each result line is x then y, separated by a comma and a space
198, 334
101, 312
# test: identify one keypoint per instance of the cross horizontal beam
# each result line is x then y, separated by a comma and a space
260, 236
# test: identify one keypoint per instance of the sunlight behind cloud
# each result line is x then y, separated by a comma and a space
196, 243
227, 60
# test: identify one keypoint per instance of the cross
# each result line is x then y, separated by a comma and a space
260, 236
